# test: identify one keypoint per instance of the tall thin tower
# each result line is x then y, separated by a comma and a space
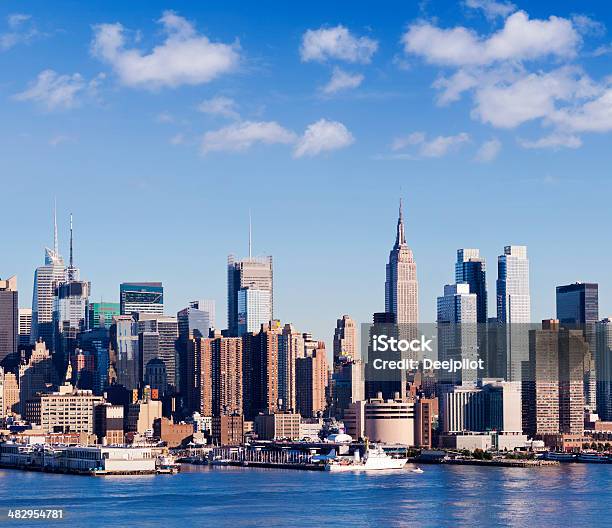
401, 286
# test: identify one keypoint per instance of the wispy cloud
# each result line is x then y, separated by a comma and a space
422, 147
336, 43
242, 136
323, 136
20, 30
221, 106
342, 80
488, 151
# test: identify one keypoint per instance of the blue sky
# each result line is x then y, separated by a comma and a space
159, 124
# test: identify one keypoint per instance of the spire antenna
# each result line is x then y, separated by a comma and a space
71, 255
250, 236
55, 238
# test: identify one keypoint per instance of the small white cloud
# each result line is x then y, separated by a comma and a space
59, 139
488, 151
323, 136
434, 148
336, 43
223, 106
177, 139
54, 91
553, 141
185, 57
587, 26
341, 80
491, 8
164, 117
241, 136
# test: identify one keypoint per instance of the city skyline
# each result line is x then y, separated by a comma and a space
109, 171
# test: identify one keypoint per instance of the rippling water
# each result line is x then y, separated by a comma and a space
573, 494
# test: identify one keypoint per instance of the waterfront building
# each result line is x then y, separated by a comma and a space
141, 297
228, 430
101, 314
470, 268
603, 361
457, 331
278, 426
9, 318
311, 376
461, 409
67, 410
109, 424
345, 341
425, 415
260, 370
290, 347
25, 326
172, 434
46, 279
513, 309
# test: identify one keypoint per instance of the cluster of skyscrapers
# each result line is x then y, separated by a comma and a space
537, 379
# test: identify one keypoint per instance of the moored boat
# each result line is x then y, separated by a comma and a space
375, 459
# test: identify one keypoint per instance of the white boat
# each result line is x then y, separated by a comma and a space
375, 459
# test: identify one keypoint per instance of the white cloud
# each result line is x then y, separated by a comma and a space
185, 57
520, 39
241, 136
588, 26
54, 91
488, 151
491, 8
177, 139
164, 117
336, 43
553, 141
434, 148
594, 115
323, 136
21, 30
341, 80
223, 106
59, 139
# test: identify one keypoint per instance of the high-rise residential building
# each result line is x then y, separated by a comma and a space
513, 308
290, 347
25, 326
603, 362
470, 268
311, 375
457, 312
158, 335
260, 370
578, 307
125, 352
198, 381
46, 279
227, 390
553, 384
345, 340
9, 318
141, 297
101, 314
253, 273
401, 287
253, 309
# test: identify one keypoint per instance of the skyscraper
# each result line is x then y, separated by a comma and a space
197, 319
345, 340
457, 313
101, 314
401, 287
513, 309
125, 351
46, 279
254, 309
158, 335
254, 273
470, 268
25, 326
9, 318
290, 348
603, 362
578, 304
141, 297
311, 382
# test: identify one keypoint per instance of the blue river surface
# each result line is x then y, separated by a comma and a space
569, 495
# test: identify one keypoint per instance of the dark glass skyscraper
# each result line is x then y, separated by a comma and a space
8, 317
578, 303
470, 269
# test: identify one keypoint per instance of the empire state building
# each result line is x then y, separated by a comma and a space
401, 286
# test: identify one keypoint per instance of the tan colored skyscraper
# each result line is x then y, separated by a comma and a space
10, 394
401, 287
36, 374
311, 382
345, 340
226, 375
290, 347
